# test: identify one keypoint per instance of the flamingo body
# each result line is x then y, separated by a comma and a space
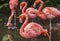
34, 27
51, 11
13, 4
31, 12
32, 30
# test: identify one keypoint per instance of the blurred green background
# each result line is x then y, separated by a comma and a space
5, 13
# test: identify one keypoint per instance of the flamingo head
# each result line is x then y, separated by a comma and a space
35, 3
22, 4
45, 32
21, 17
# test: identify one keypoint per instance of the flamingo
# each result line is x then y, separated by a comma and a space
31, 30
30, 11
13, 4
49, 12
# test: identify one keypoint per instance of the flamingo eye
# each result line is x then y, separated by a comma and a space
21, 17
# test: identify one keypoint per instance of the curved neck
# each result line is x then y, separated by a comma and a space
41, 6
24, 24
24, 8
22, 33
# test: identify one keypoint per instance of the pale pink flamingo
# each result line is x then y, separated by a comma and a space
31, 30
49, 12
13, 4
30, 11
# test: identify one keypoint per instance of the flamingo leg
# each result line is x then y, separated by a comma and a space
50, 30
32, 39
35, 39
10, 18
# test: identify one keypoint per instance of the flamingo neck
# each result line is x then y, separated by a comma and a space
22, 33
24, 8
41, 6
36, 2
24, 24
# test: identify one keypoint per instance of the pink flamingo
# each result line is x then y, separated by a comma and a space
31, 30
30, 11
49, 12
13, 4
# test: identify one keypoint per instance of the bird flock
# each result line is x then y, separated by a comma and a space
32, 29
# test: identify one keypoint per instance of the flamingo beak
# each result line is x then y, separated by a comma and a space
34, 5
20, 19
20, 7
8, 24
